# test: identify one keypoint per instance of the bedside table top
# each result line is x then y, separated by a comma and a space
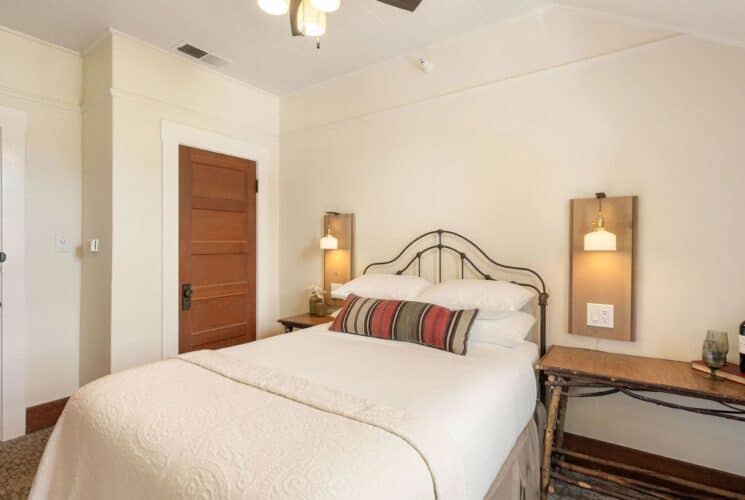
305, 320
654, 373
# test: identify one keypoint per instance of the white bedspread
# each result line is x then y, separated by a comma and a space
484, 399
208, 426
312, 414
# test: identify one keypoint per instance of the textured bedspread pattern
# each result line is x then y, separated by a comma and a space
208, 426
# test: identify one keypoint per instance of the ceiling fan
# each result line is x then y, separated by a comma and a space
308, 17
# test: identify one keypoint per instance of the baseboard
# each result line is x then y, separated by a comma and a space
44, 415
657, 463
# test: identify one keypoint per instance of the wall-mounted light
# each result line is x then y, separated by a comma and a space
329, 242
600, 239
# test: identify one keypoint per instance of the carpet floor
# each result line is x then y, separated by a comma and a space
20, 457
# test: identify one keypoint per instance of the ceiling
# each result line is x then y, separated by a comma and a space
259, 46
363, 32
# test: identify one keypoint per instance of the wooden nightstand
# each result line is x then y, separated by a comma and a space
574, 372
303, 321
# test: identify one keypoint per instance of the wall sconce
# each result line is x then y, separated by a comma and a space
600, 239
338, 253
603, 267
329, 242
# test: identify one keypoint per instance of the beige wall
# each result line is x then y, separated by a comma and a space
95, 312
44, 81
516, 120
150, 86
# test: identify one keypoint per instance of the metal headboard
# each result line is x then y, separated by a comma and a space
467, 262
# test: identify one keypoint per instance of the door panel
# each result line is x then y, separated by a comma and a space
217, 249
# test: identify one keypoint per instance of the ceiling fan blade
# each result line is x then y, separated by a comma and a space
294, 7
403, 4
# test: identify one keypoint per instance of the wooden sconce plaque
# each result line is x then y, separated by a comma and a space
338, 264
603, 277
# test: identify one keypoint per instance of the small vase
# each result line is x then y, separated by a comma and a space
317, 307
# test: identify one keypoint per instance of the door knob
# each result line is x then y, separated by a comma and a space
3, 257
186, 293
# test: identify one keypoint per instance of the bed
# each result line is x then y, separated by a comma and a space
313, 414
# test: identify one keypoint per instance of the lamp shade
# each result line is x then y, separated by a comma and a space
275, 7
310, 21
600, 240
329, 242
326, 5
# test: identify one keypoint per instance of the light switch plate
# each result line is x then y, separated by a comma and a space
61, 245
600, 315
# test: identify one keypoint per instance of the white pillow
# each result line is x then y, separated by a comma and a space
514, 327
489, 297
383, 286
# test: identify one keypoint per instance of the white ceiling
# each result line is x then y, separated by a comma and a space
361, 33
259, 46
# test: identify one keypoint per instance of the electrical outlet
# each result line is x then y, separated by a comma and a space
600, 315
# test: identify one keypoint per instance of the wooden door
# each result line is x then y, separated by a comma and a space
217, 264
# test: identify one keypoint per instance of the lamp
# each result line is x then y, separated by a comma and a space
329, 242
310, 21
326, 5
600, 239
275, 7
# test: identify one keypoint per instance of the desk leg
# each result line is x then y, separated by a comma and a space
548, 437
560, 418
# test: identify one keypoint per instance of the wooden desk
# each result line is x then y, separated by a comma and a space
574, 372
302, 321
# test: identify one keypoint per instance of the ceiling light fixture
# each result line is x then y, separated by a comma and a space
326, 5
310, 21
308, 17
275, 7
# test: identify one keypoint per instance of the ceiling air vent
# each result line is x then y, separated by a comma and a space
202, 55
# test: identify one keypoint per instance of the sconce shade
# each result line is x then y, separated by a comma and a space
600, 240
329, 242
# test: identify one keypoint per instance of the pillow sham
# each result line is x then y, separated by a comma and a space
406, 321
383, 286
512, 327
490, 297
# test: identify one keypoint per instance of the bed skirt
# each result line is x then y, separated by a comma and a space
519, 477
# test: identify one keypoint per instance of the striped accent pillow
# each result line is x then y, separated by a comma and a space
417, 322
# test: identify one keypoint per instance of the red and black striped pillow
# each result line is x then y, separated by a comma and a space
407, 321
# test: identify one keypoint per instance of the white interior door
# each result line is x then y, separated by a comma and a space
12, 272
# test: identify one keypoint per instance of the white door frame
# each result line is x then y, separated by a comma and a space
12, 278
174, 135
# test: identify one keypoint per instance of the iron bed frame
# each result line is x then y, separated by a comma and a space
539, 286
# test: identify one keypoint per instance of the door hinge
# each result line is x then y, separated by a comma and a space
257, 185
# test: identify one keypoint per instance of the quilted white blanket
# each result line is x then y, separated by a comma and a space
208, 426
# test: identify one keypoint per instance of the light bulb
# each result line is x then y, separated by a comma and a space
275, 7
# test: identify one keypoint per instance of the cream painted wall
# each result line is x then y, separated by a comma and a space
150, 86
516, 120
44, 81
95, 311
